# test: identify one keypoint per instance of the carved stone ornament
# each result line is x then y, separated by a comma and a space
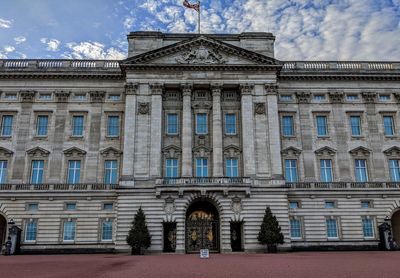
144, 108
325, 151
5, 152
131, 88
97, 96
27, 96
169, 206
172, 151
271, 89
62, 96
236, 205
303, 97
259, 108
369, 97
74, 152
291, 151
360, 152
246, 89
336, 97
156, 88
201, 152
201, 55
393, 152
38, 152
111, 152
397, 96
232, 151
187, 89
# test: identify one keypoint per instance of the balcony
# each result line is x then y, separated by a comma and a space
343, 185
58, 187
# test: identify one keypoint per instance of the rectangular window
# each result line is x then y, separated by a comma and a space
355, 124
352, 97
108, 206
319, 97
366, 204
361, 172
201, 123
230, 124
32, 207
172, 124
30, 231
37, 171
322, 125
69, 231
295, 228
77, 125
113, 126
388, 124
368, 227
41, 125
10, 96
332, 228
3, 171
285, 97
330, 205
394, 168
114, 97
201, 167
111, 172
79, 97
172, 168
293, 204
232, 168
325, 166
291, 170
287, 126
384, 97
70, 206
6, 125
74, 171
106, 230
45, 96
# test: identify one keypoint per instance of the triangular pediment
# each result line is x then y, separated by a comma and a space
393, 151
325, 151
360, 151
201, 51
5, 152
291, 151
110, 151
37, 151
74, 151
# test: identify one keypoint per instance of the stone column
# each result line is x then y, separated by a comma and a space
156, 127
273, 131
129, 134
187, 131
247, 130
217, 131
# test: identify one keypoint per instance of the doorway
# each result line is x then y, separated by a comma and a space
169, 237
236, 236
3, 230
396, 226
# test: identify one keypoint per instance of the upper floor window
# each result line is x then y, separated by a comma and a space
108, 206
106, 230
10, 96
291, 170
232, 167
114, 96
78, 96
332, 228
74, 171
77, 125
32, 207
69, 231
113, 126
3, 171
361, 172
330, 204
230, 124
366, 204
6, 125
394, 168
384, 97
352, 97
355, 124
172, 124
41, 125
70, 206
201, 123
111, 172
287, 126
45, 96
368, 227
286, 98
319, 97
326, 170
322, 125
295, 228
30, 231
388, 125
171, 165
201, 167
294, 204
37, 171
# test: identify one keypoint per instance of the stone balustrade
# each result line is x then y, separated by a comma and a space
340, 66
58, 187
204, 181
48, 64
343, 185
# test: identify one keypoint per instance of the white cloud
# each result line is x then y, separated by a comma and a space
20, 39
128, 22
9, 49
52, 44
93, 50
5, 23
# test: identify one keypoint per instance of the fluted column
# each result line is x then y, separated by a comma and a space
129, 133
156, 127
217, 131
248, 130
187, 131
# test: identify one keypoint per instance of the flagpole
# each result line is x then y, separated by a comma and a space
199, 16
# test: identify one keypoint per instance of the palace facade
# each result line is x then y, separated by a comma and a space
203, 132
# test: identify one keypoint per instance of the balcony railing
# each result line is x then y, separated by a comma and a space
340, 66
58, 187
344, 185
48, 64
204, 181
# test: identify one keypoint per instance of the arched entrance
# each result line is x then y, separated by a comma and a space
202, 227
396, 226
3, 230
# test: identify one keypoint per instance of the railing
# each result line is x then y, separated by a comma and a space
204, 181
58, 187
43, 64
341, 66
344, 185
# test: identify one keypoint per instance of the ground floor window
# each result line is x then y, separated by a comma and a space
69, 231
332, 228
30, 230
295, 228
368, 227
106, 230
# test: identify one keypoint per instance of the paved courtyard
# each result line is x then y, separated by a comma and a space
329, 264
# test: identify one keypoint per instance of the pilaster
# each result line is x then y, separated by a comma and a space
217, 131
156, 127
187, 130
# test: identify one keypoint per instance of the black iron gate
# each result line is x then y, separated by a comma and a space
202, 234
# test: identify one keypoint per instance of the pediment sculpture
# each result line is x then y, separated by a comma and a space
201, 55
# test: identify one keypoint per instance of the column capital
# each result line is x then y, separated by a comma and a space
246, 88
303, 97
156, 88
131, 88
271, 88
216, 89
397, 96
187, 89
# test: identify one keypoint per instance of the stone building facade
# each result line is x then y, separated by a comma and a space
203, 132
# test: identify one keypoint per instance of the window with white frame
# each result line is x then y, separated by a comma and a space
325, 166
45, 96
70, 206
6, 125
319, 97
171, 167
32, 207
322, 125
42, 125
294, 204
286, 97
388, 125
31, 230
352, 97
201, 123
74, 171
368, 227
79, 96
295, 228
384, 97
291, 170
232, 167
172, 124
111, 172
69, 230
330, 204
113, 126
230, 124
394, 169
355, 125
3, 171
201, 167
332, 228
78, 125
361, 172
106, 230
37, 171
287, 126
114, 97
10, 96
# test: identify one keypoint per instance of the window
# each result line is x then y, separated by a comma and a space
332, 228
295, 228
113, 126
10, 96
172, 124
361, 173
322, 125
32, 207
388, 124
287, 126
366, 204
330, 204
286, 97
108, 206
293, 205
6, 125
230, 124
79, 97
74, 171
106, 230
232, 169
69, 231
201, 167
37, 171
45, 96
352, 97
114, 97
291, 170
368, 227
319, 97
355, 124
111, 172
77, 125
201, 123
394, 168
70, 206
3, 171
31, 231
384, 97
41, 125
325, 166
172, 168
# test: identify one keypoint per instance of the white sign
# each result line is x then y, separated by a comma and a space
204, 253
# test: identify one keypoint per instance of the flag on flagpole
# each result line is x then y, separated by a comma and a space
196, 6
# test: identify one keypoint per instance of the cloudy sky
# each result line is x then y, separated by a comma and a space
304, 29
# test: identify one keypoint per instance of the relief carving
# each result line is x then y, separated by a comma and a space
27, 96
201, 55
369, 97
336, 97
144, 108
259, 108
303, 97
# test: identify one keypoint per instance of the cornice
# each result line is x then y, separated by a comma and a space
60, 75
376, 76
197, 67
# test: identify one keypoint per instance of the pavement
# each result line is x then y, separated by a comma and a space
302, 264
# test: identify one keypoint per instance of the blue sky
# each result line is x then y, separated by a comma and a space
304, 29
